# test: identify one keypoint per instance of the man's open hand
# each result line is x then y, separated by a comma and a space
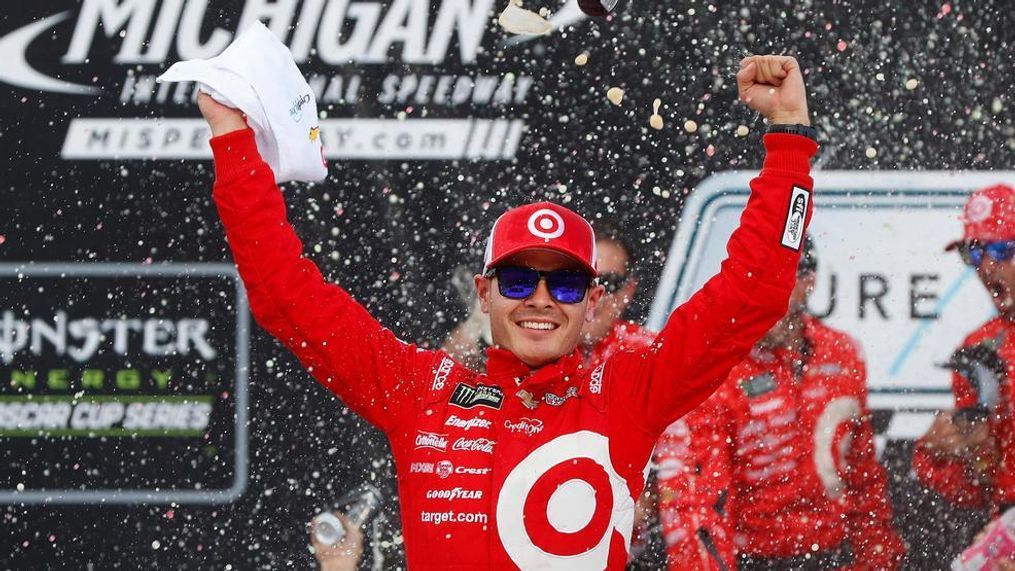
774, 87
220, 118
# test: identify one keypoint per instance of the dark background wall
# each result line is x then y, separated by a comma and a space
399, 227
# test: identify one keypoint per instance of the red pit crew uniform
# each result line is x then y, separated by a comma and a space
785, 465
516, 468
952, 478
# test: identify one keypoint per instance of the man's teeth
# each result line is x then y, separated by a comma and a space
538, 325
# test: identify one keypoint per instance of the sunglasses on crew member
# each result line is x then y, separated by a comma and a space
517, 282
973, 253
612, 282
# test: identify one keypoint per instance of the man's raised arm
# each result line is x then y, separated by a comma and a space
334, 337
705, 337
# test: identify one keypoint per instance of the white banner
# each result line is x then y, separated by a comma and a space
347, 139
883, 274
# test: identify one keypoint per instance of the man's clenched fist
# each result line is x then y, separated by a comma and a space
774, 87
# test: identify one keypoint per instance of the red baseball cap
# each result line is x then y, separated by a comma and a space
542, 225
989, 216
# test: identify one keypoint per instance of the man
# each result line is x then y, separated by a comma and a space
602, 336
607, 332
535, 464
968, 455
777, 470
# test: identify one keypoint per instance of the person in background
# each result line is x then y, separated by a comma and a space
968, 454
342, 556
608, 332
777, 470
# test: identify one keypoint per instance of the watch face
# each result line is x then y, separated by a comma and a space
598, 8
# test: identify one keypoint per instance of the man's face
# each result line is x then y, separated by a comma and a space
999, 279
783, 331
538, 329
612, 261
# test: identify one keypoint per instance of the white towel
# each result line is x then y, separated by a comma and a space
257, 75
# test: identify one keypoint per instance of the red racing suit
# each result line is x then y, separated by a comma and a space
516, 468
624, 336
774, 467
951, 477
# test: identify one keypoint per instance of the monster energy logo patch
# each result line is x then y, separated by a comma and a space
758, 385
468, 396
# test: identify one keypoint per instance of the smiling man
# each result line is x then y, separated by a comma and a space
535, 464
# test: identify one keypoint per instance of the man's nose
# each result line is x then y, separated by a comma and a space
541, 297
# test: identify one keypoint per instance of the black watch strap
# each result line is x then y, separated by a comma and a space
805, 130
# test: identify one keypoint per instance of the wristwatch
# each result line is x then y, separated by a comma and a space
805, 130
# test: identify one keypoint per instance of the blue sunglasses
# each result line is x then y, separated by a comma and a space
517, 282
973, 252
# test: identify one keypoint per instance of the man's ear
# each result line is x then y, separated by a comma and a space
483, 292
595, 298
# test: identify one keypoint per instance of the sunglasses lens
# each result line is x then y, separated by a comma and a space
972, 254
1000, 251
612, 282
517, 283
568, 287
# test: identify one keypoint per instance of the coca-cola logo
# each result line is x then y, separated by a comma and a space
474, 445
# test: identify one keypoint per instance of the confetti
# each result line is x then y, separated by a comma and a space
656, 120
582, 59
690, 126
615, 95
518, 20
912, 83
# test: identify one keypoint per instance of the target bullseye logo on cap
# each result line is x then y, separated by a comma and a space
564, 504
978, 208
547, 224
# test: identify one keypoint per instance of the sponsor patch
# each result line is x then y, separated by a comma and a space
421, 468
557, 400
432, 440
454, 494
793, 230
596, 382
527, 426
441, 376
758, 385
467, 423
474, 445
472, 471
468, 396
444, 468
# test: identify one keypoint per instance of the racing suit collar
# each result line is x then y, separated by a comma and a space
504, 368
